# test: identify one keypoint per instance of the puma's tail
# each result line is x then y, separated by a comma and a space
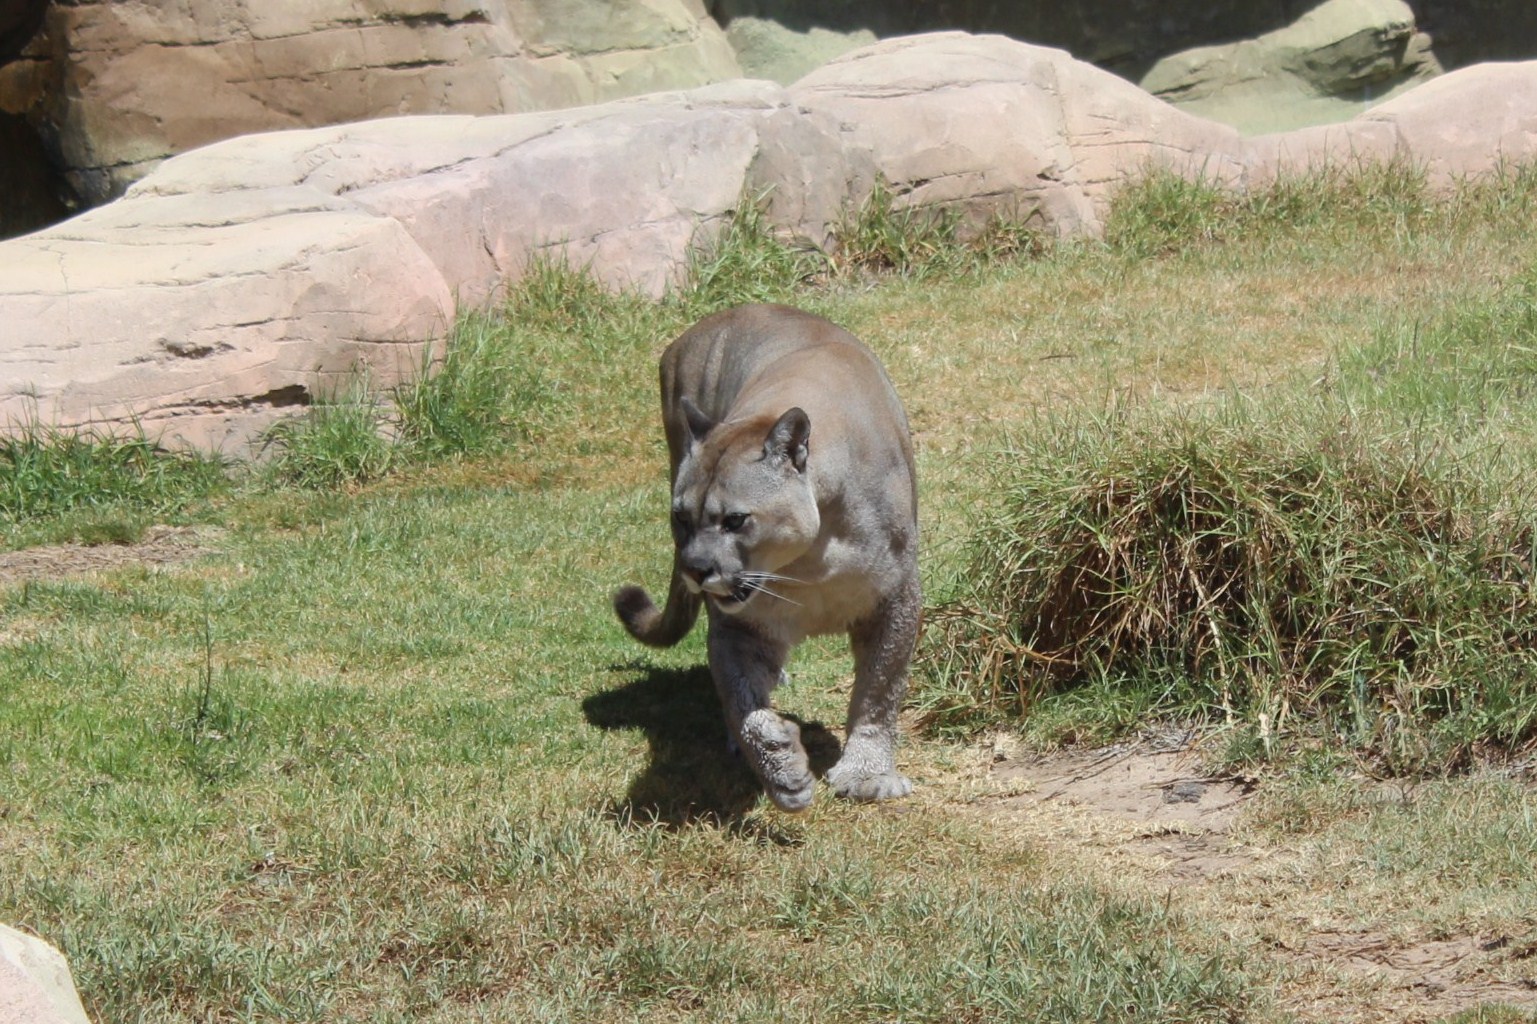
657, 628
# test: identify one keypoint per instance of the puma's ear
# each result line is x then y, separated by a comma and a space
790, 438
698, 423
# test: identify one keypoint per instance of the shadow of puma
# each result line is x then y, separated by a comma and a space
690, 774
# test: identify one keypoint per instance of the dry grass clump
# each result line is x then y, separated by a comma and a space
1273, 569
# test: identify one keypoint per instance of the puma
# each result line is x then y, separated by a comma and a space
794, 513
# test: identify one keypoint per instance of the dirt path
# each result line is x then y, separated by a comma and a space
1147, 818
160, 545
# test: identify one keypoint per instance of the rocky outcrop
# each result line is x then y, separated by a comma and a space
989, 126
126, 85
236, 281
1330, 64
1124, 36
774, 38
1471, 122
35, 983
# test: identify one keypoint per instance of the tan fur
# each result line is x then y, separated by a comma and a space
790, 456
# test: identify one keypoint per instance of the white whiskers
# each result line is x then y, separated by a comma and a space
759, 582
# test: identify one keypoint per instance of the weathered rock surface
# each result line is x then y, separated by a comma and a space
130, 84
783, 53
235, 281
1464, 124
1328, 65
35, 983
1124, 36
994, 127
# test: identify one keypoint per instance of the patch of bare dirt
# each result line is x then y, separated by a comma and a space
1147, 816
1157, 783
160, 545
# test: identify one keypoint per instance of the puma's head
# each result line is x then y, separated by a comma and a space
743, 507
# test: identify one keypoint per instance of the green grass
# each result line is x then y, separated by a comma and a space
1163, 214
483, 395
96, 487
748, 262
881, 237
387, 756
1280, 563
336, 443
1352, 558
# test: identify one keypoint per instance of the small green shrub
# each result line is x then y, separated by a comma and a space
484, 394
1296, 569
748, 262
339, 441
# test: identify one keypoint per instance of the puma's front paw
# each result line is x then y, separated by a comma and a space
853, 783
773, 748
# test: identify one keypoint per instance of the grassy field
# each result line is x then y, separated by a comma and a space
383, 753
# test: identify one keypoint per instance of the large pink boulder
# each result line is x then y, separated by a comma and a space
118, 87
237, 282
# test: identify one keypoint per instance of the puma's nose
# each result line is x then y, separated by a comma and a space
698, 570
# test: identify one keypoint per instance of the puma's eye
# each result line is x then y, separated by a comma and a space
733, 522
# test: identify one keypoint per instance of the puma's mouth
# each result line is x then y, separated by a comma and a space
733, 600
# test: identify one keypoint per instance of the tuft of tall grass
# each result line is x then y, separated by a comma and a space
484, 391
1161, 213
47, 471
484, 394
747, 261
878, 237
338, 442
1299, 570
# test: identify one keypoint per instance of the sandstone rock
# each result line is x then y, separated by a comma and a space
135, 83
1467, 123
35, 983
988, 126
237, 281
1326, 66
622, 187
204, 317
767, 49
